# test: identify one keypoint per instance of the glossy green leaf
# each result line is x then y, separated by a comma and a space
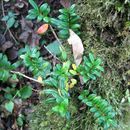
5, 68
45, 9
9, 106
54, 48
31, 16
62, 83
46, 19
34, 5
10, 22
26, 92
75, 26
39, 18
103, 112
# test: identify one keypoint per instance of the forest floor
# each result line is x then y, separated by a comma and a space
104, 35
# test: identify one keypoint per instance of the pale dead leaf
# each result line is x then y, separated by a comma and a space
40, 79
77, 47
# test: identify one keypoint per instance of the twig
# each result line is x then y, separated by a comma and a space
52, 54
55, 35
3, 11
21, 74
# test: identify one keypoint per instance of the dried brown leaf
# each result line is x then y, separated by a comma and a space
77, 47
6, 46
28, 35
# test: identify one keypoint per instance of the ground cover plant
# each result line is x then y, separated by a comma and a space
64, 65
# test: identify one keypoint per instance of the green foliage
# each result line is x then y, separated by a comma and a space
5, 68
91, 68
10, 19
58, 79
121, 6
25, 92
60, 100
103, 111
35, 63
59, 76
20, 120
54, 48
10, 93
9, 106
44, 119
67, 19
41, 13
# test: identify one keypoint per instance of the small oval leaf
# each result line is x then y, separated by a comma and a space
42, 29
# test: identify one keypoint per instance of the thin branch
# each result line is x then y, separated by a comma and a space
54, 33
52, 54
3, 11
27, 77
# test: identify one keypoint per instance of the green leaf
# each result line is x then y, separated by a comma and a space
9, 106
54, 48
93, 109
54, 21
98, 61
33, 4
63, 17
64, 34
72, 8
5, 68
85, 79
46, 19
45, 9
100, 68
55, 109
5, 18
10, 22
31, 16
20, 121
26, 92
8, 96
52, 92
75, 19
97, 114
62, 83
64, 11
51, 82
91, 57
129, 99
39, 18
50, 100
33, 11
63, 54
89, 103
73, 72
75, 26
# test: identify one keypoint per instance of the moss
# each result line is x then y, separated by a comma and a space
44, 119
127, 119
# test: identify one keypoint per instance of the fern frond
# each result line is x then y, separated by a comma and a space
5, 68
91, 68
35, 63
102, 110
